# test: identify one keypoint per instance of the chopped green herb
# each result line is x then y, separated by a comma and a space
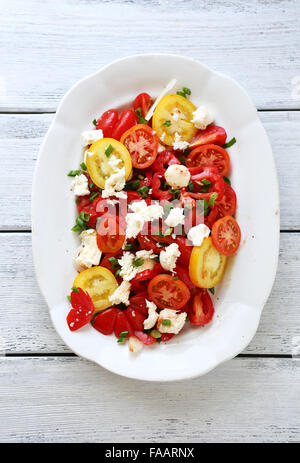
167, 208
168, 232
184, 92
122, 306
69, 298
205, 182
191, 186
83, 166
109, 150
141, 177
81, 222
140, 118
166, 322
122, 336
206, 208
93, 196
158, 340
128, 246
175, 193
226, 179
95, 122
186, 151
212, 290
73, 173
114, 262
143, 190
155, 334
167, 123
75, 289
186, 319
91, 185
175, 278
133, 185
229, 143
166, 185
182, 160
212, 199
118, 272
138, 262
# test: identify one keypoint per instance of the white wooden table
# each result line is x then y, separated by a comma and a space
46, 393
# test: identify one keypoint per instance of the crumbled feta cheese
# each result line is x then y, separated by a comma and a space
129, 270
177, 176
197, 234
160, 148
201, 118
177, 321
91, 136
166, 90
121, 294
80, 185
152, 315
169, 256
114, 162
141, 213
178, 143
135, 223
114, 183
175, 217
88, 253
163, 135
112, 202
135, 345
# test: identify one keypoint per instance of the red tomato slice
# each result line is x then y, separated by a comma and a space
122, 324
148, 243
143, 101
127, 120
202, 310
163, 160
212, 134
209, 155
145, 338
227, 204
105, 262
185, 249
168, 293
82, 310
135, 318
110, 235
183, 273
166, 337
226, 235
107, 122
138, 302
142, 144
105, 321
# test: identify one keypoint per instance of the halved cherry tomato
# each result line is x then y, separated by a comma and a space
164, 160
217, 182
166, 337
107, 122
185, 248
148, 243
127, 120
183, 273
138, 302
227, 205
209, 155
110, 235
177, 111
105, 321
146, 339
202, 310
105, 262
207, 265
226, 235
82, 309
122, 324
148, 274
135, 318
157, 192
166, 292
143, 101
142, 144
99, 283
212, 134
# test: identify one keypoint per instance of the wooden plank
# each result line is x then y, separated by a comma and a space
21, 136
26, 326
46, 47
72, 400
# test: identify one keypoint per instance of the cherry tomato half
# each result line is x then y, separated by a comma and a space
122, 324
107, 122
209, 155
127, 120
212, 134
202, 310
142, 144
82, 309
227, 205
110, 235
166, 292
143, 101
105, 321
226, 235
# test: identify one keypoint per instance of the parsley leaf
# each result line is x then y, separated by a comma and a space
109, 150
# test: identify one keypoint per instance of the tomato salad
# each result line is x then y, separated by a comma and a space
156, 220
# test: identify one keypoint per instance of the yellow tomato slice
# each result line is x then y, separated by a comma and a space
173, 114
207, 265
98, 163
99, 283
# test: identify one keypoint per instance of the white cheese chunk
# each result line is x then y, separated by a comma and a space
197, 234
114, 183
175, 217
80, 185
88, 253
152, 315
166, 90
169, 256
141, 213
201, 118
135, 345
121, 294
176, 321
178, 143
91, 136
129, 270
177, 176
